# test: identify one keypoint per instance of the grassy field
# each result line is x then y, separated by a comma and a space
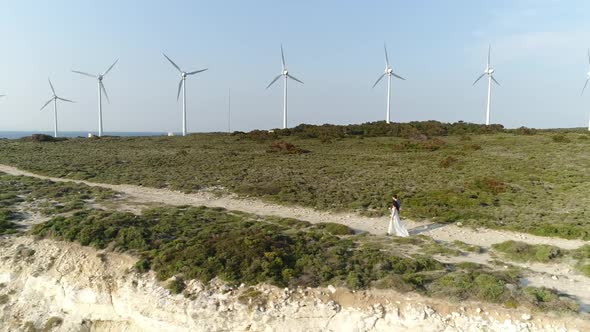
524, 180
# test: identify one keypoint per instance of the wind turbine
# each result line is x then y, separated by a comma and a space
285, 74
101, 90
389, 72
587, 79
182, 85
490, 72
54, 100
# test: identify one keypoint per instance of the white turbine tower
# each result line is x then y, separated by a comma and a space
54, 100
490, 72
587, 79
101, 90
182, 85
285, 74
389, 72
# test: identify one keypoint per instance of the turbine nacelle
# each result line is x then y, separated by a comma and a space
285, 72
100, 77
183, 75
388, 71
489, 71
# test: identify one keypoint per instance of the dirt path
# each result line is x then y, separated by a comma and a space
481, 236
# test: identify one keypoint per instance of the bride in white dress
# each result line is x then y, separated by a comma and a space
395, 223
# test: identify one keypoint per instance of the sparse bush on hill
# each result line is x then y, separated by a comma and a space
560, 138
286, 148
417, 145
520, 251
525, 131
414, 130
447, 162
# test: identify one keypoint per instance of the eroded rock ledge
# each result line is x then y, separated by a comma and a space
65, 287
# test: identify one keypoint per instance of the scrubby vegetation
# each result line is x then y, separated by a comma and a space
482, 176
204, 243
44, 196
520, 251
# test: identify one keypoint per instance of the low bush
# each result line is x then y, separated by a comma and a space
520, 251
560, 138
286, 148
490, 184
176, 285
334, 228
52, 323
447, 162
525, 131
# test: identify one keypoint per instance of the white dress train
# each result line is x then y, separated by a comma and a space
395, 224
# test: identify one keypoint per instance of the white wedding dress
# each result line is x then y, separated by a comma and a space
395, 224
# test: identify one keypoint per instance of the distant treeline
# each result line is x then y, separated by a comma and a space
416, 129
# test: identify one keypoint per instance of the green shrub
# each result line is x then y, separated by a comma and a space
560, 138
176, 285
585, 269
52, 323
520, 251
286, 148
334, 228
447, 162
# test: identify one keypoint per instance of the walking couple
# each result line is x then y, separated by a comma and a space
395, 223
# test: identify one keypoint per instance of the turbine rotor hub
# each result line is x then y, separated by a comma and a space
100, 77
285, 72
183, 74
389, 71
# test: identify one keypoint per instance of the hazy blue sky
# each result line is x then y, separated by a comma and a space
335, 47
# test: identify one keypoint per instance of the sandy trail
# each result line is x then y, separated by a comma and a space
480, 236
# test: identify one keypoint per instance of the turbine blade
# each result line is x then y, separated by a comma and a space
105, 92
51, 85
69, 101
294, 78
47, 103
2, 96
179, 87
479, 78
493, 79
172, 62
396, 75
584, 88
197, 71
275, 79
489, 53
111, 67
283, 57
379, 79
589, 57
83, 73
386, 56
